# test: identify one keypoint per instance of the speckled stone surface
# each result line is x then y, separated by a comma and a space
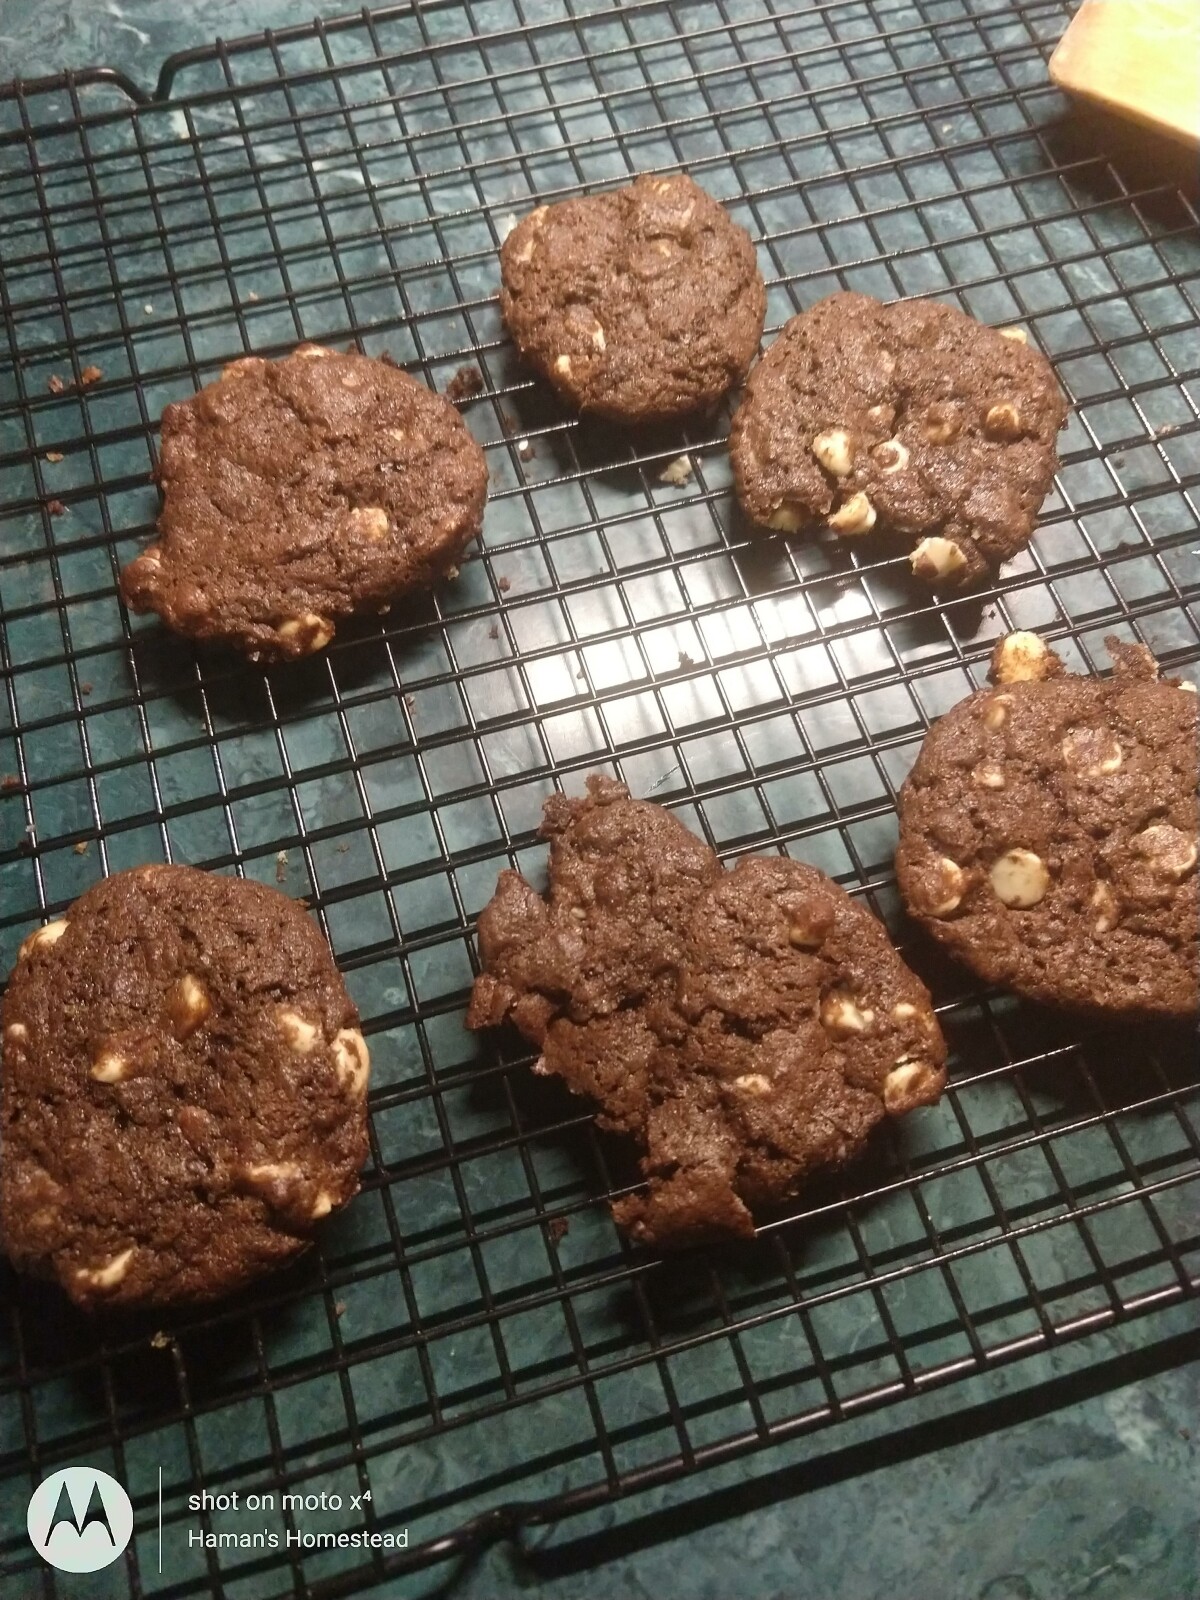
1081, 1480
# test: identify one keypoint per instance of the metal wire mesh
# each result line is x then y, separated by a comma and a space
472, 1332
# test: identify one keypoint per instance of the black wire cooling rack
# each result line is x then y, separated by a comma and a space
473, 1343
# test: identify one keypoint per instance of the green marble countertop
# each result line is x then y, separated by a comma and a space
1075, 1473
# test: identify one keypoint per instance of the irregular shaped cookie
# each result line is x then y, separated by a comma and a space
183, 1093
1048, 833
300, 491
639, 305
911, 419
747, 1028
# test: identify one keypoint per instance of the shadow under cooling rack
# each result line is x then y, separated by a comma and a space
472, 1335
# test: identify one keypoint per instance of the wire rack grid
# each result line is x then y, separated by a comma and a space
473, 1340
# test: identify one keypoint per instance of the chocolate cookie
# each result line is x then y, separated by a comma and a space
1048, 833
747, 1028
300, 491
183, 1093
909, 418
639, 305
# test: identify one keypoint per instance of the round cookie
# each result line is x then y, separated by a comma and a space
183, 1094
747, 1029
298, 492
1048, 833
910, 419
640, 305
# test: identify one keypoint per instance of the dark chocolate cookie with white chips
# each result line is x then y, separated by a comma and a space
299, 492
1048, 833
640, 305
747, 1029
910, 419
183, 1090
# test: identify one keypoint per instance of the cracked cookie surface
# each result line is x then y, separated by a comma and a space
639, 305
183, 1091
1048, 833
748, 1029
298, 492
908, 419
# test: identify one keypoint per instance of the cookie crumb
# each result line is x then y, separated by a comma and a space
677, 472
558, 1228
161, 1341
10, 781
504, 585
85, 687
281, 866
54, 455
252, 294
339, 1309
410, 702
525, 450
89, 375
56, 508
81, 849
493, 632
685, 660
343, 849
55, 384
466, 383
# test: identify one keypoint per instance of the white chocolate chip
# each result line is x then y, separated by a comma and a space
16, 1033
151, 556
368, 522
243, 367
988, 775
909, 1084
936, 558
890, 456
42, 938
598, 339
951, 883
857, 515
302, 1036
273, 1172
941, 423
323, 1204
996, 709
352, 1061
1003, 421
803, 936
785, 519
110, 1066
1169, 850
1017, 335
1020, 878
1021, 658
753, 1083
352, 379
310, 631
1104, 903
834, 449
188, 1006
563, 364
311, 352
1186, 686
841, 1017
904, 1012
106, 1276
398, 434
881, 416
1096, 752
677, 472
